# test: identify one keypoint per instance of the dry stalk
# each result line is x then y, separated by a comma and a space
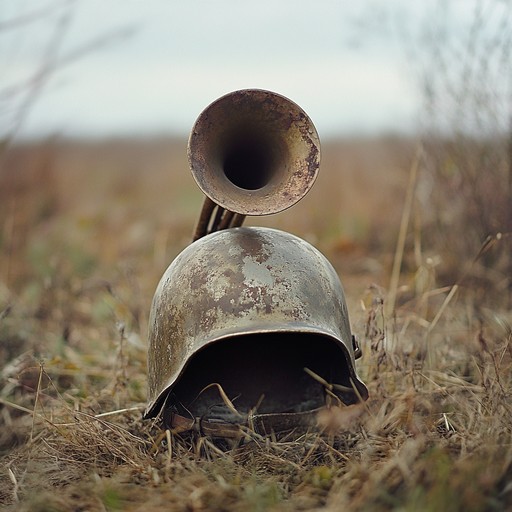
14, 481
38, 390
224, 396
404, 223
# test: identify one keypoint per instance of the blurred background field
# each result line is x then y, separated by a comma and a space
89, 227
416, 218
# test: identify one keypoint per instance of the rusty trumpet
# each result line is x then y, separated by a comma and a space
252, 152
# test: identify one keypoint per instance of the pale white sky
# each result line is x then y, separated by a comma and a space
344, 62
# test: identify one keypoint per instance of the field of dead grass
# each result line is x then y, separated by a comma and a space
87, 230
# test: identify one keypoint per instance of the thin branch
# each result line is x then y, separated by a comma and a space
31, 16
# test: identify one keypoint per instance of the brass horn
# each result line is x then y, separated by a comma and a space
252, 152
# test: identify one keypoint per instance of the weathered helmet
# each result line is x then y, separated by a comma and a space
255, 312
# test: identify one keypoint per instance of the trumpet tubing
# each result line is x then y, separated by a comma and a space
252, 152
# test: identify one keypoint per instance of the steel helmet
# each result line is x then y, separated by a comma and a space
258, 312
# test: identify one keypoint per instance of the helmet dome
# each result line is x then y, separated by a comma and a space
248, 309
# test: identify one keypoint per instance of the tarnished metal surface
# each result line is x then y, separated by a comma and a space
241, 281
254, 152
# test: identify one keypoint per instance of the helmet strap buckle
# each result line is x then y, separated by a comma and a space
357, 349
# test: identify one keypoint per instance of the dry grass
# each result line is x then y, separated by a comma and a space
88, 230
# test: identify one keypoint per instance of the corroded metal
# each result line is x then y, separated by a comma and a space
253, 152
237, 282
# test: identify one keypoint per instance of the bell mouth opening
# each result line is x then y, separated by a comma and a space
252, 159
266, 373
254, 152
249, 156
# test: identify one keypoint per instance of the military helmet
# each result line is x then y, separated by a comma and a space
258, 313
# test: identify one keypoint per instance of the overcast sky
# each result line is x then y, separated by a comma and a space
134, 66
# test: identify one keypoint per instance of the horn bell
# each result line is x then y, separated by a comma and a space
254, 152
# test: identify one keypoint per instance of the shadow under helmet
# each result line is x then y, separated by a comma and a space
256, 315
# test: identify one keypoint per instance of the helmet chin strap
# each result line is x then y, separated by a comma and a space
223, 423
260, 424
